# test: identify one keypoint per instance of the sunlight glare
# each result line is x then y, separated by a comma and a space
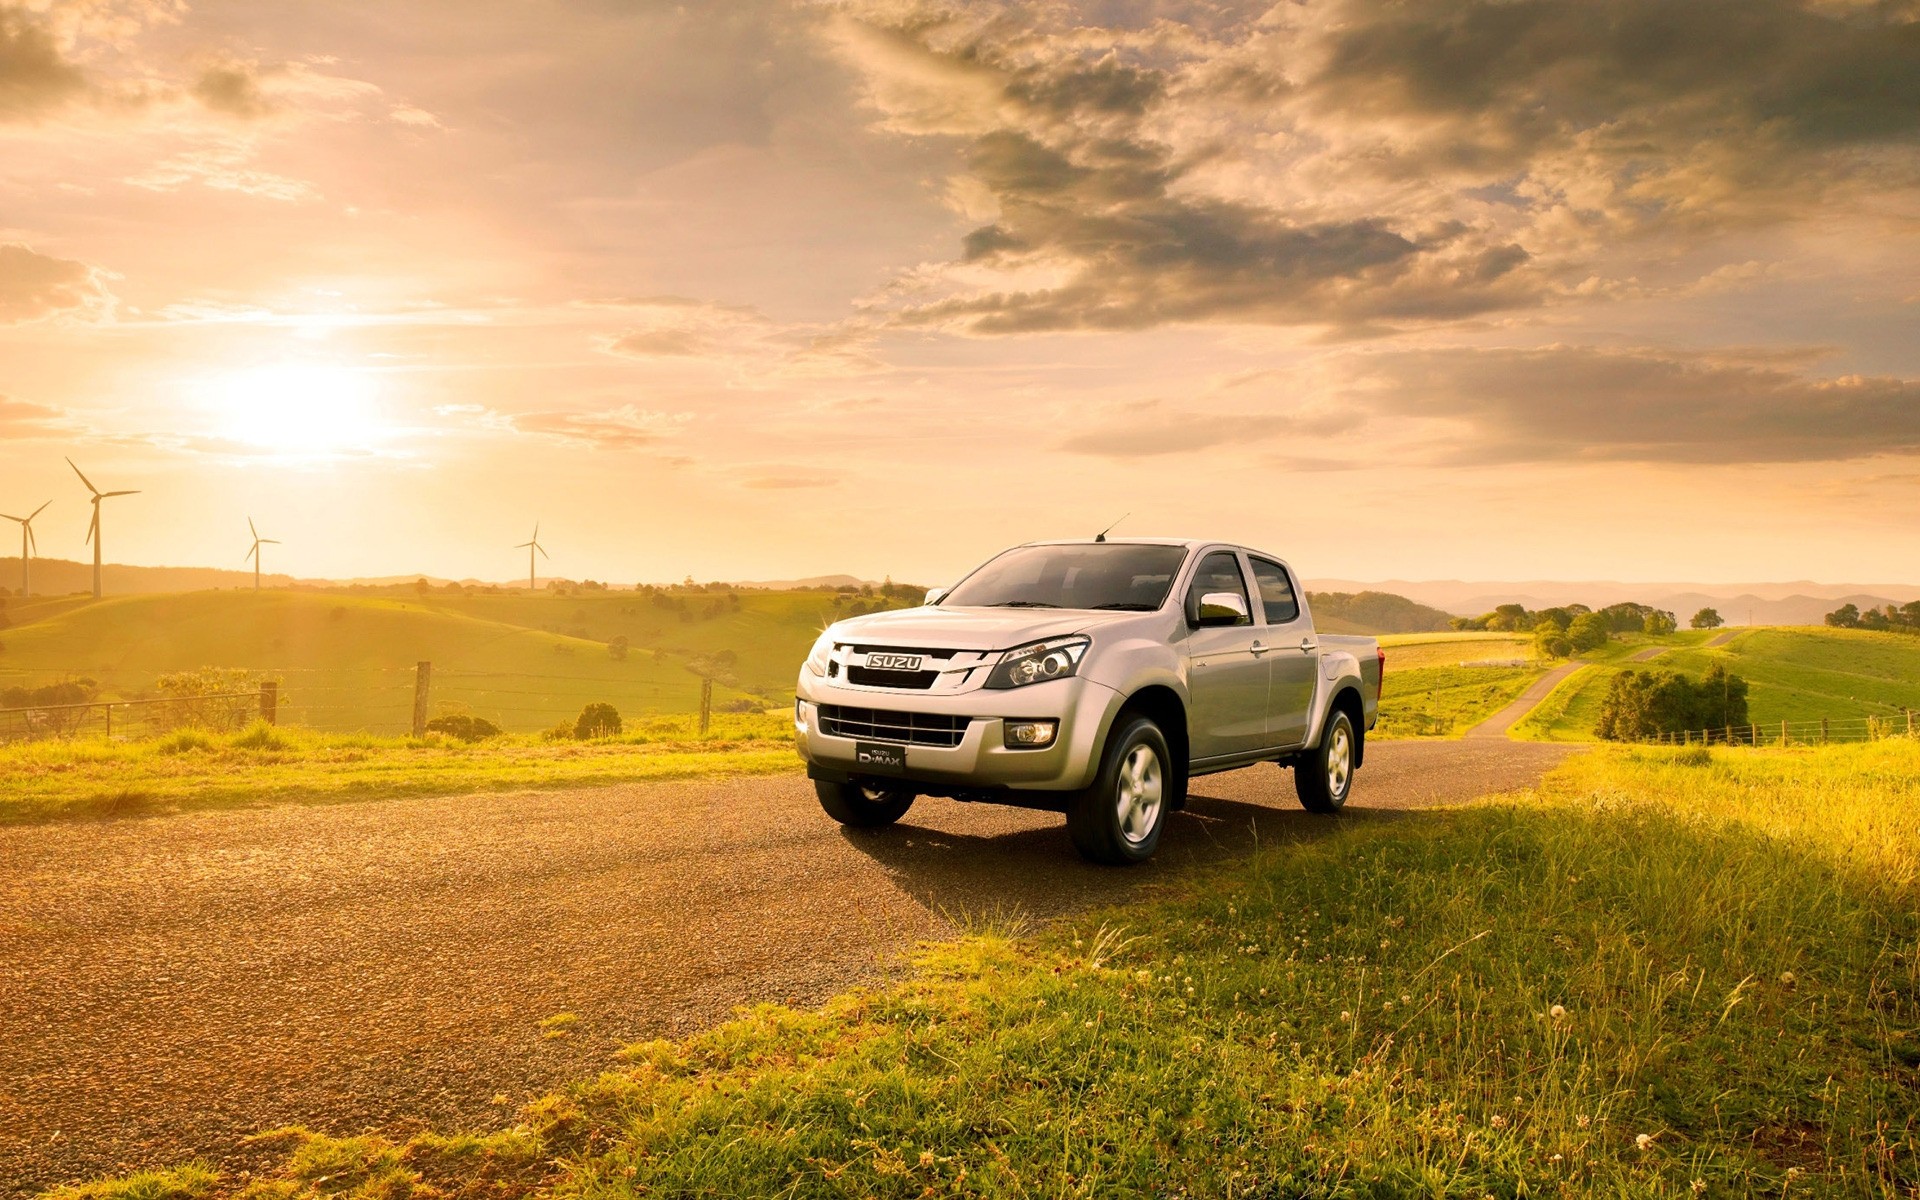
299, 409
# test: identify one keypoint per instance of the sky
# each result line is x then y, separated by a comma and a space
1482, 289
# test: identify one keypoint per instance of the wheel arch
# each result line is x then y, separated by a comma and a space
1349, 701
1164, 707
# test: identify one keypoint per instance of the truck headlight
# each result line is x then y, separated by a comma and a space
1056, 658
818, 656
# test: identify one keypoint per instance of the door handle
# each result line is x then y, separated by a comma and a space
1258, 648
1306, 645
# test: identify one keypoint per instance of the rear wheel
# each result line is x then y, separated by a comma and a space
1323, 776
1118, 820
861, 806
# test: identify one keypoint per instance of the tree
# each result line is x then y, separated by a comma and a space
618, 647
1643, 704
1707, 618
1589, 631
1847, 616
1661, 623
1550, 641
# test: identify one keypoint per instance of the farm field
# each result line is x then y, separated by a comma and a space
1666, 972
1442, 684
1794, 674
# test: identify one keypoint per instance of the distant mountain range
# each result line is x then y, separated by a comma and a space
1802, 602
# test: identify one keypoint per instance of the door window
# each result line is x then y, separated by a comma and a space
1219, 572
1277, 596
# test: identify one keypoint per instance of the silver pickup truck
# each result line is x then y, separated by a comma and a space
1093, 678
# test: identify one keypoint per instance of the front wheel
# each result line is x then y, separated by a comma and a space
1323, 776
1118, 820
863, 807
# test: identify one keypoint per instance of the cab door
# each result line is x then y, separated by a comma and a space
1294, 654
1226, 661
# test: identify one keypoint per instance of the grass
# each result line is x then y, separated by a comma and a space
1447, 701
191, 770
1794, 674
1669, 973
1407, 651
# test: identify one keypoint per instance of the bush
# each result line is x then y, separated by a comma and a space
1589, 631
597, 720
259, 736
617, 648
463, 727
216, 698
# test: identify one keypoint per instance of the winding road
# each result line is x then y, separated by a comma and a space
173, 984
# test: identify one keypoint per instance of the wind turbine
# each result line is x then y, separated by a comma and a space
93, 530
28, 543
530, 547
254, 553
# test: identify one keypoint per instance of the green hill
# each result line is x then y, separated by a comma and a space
1794, 674
346, 658
1373, 612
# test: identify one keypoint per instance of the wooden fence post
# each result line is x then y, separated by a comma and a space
270, 702
1823, 731
1909, 722
706, 704
1783, 731
422, 674
109, 712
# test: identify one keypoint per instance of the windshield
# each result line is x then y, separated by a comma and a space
1109, 575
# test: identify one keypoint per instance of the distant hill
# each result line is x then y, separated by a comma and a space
1798, 603
60, 577
1373, 612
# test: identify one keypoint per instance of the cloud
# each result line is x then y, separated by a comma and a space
35, 286
224, 167
234, 89
679, 328
1581, 404
1154, 428
18, 419
787, 478
35, 77
623, 428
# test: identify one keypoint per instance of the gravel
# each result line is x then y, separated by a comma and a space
170, 985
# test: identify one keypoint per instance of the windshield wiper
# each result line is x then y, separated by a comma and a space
1128, 606
1023, 604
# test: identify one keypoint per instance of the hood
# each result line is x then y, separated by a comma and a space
937, 628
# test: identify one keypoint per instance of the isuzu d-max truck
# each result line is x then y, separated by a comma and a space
1092, 678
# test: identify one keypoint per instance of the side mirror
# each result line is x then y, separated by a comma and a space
935, 595
1221, 608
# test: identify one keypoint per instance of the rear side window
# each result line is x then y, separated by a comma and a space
1276, 592
1219, 572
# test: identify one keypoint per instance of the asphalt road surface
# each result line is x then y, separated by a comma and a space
169, 985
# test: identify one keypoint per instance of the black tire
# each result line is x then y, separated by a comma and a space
1323, 776
1137, 775
863, 807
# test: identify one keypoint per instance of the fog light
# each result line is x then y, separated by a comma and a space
1030, 735
800, 715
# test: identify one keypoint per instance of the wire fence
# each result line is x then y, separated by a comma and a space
1820, 732
374, 700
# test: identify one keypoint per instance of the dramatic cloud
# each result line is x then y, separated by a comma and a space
1155, 428
1570, 403
34, 286
1370, 162
234, 89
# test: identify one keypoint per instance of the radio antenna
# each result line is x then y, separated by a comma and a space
1102, 535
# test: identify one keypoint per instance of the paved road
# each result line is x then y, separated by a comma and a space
172, 984
1496, 726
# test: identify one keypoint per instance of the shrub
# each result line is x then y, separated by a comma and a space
617, 648
463, 727
217, 698
259, 736
1589, 631
597, 720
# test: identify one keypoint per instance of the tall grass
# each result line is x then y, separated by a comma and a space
1669, 973
193, 769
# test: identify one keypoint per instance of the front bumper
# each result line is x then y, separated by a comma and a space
981, 761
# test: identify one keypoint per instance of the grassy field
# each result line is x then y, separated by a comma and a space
345, 659
1447, 701
190, 770
1669, 973
1794, 674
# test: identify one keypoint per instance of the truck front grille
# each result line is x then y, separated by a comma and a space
870, 677
884, 725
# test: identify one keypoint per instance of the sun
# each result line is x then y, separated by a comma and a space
304, 410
